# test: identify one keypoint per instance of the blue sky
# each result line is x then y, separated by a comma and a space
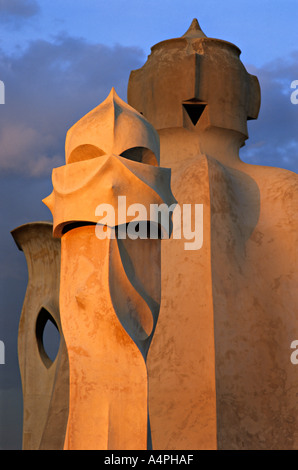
60, 58
263, 29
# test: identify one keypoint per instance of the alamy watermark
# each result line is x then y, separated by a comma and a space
2, 92
294, 355
2, 353
179, 222
294, 94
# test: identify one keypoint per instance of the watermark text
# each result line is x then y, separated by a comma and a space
294, 355
2, 92
2, 353
162, 221
294, 94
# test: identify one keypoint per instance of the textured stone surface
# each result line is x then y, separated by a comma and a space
220, 374
110, 287
108, 377
44, 383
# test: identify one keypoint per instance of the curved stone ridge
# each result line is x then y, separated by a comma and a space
113, 127
80, 187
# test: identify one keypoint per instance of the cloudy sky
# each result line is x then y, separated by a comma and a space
60, 58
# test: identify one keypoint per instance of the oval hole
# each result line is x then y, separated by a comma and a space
85, 152
140, 154
48, 337
51, 340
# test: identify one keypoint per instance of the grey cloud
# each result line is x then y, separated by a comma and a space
273, 136
50, 87
18, 9
11, 419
